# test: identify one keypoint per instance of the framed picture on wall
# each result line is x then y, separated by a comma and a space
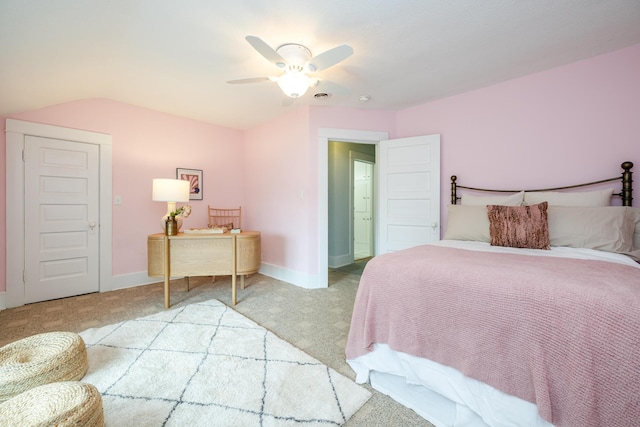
194, 176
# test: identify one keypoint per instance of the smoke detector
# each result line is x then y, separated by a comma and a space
364, 99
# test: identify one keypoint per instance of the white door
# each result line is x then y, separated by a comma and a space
61, 218
409, 192
362, 209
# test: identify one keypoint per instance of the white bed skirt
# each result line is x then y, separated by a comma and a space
440, 394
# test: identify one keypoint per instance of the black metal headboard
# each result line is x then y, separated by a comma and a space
626, 193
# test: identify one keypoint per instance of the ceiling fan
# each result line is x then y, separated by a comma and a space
296, 62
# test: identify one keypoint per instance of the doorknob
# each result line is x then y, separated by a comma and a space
92, 225
434, 225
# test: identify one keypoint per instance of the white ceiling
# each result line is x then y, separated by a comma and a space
176, 56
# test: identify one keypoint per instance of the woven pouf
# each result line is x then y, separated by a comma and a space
69, 403
41, 359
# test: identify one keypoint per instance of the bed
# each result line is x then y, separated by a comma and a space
527, 313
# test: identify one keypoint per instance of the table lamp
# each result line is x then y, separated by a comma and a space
170, 191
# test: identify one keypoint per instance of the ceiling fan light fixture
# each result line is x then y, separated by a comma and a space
294, 84
295, 60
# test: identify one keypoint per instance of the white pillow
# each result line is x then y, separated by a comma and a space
475, 200
609, 228
602, 228
467, 223
636, 234
558, 198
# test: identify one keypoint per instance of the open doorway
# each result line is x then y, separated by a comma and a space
321, 279
351, 205
427, 220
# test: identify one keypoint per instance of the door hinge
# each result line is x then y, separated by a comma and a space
24, 276
23, 155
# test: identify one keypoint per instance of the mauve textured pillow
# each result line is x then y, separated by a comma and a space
519, 226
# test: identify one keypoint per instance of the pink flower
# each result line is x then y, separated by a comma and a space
183, 211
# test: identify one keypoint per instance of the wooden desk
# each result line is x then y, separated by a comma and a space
203, 255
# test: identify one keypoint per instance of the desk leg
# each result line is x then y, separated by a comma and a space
167, 273
234, 271
233, 289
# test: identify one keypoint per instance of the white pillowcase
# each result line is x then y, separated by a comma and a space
636, 234
467, 223
475, 200
557, 198
609, 228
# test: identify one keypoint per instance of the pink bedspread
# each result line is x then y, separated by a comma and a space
561, 333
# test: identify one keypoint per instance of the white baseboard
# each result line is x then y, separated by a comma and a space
294, 277
297, 278
340, 260
132, 280
140, 278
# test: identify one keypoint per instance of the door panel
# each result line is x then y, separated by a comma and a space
61, 217
407, 234
409, 211
409, 196
362, 209
408, 181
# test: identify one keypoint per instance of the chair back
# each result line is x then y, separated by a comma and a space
225, 217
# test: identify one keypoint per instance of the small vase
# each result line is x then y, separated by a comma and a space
171, 228
163, 222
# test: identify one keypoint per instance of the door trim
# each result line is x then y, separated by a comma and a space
14, 214
324, 136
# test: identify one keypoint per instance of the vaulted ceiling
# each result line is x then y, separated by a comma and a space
177, 56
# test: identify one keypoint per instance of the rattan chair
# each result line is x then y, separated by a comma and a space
225, 217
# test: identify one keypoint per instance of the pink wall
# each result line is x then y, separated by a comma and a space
281, 176
276, 163
146, 145
568, 125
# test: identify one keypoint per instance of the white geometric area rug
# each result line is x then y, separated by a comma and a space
207, 365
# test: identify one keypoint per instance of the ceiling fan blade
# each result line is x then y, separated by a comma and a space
266, 51
251, 80
330, 58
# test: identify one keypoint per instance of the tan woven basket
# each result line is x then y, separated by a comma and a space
41, 359
69, 403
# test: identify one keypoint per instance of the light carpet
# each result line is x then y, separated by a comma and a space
206, 364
